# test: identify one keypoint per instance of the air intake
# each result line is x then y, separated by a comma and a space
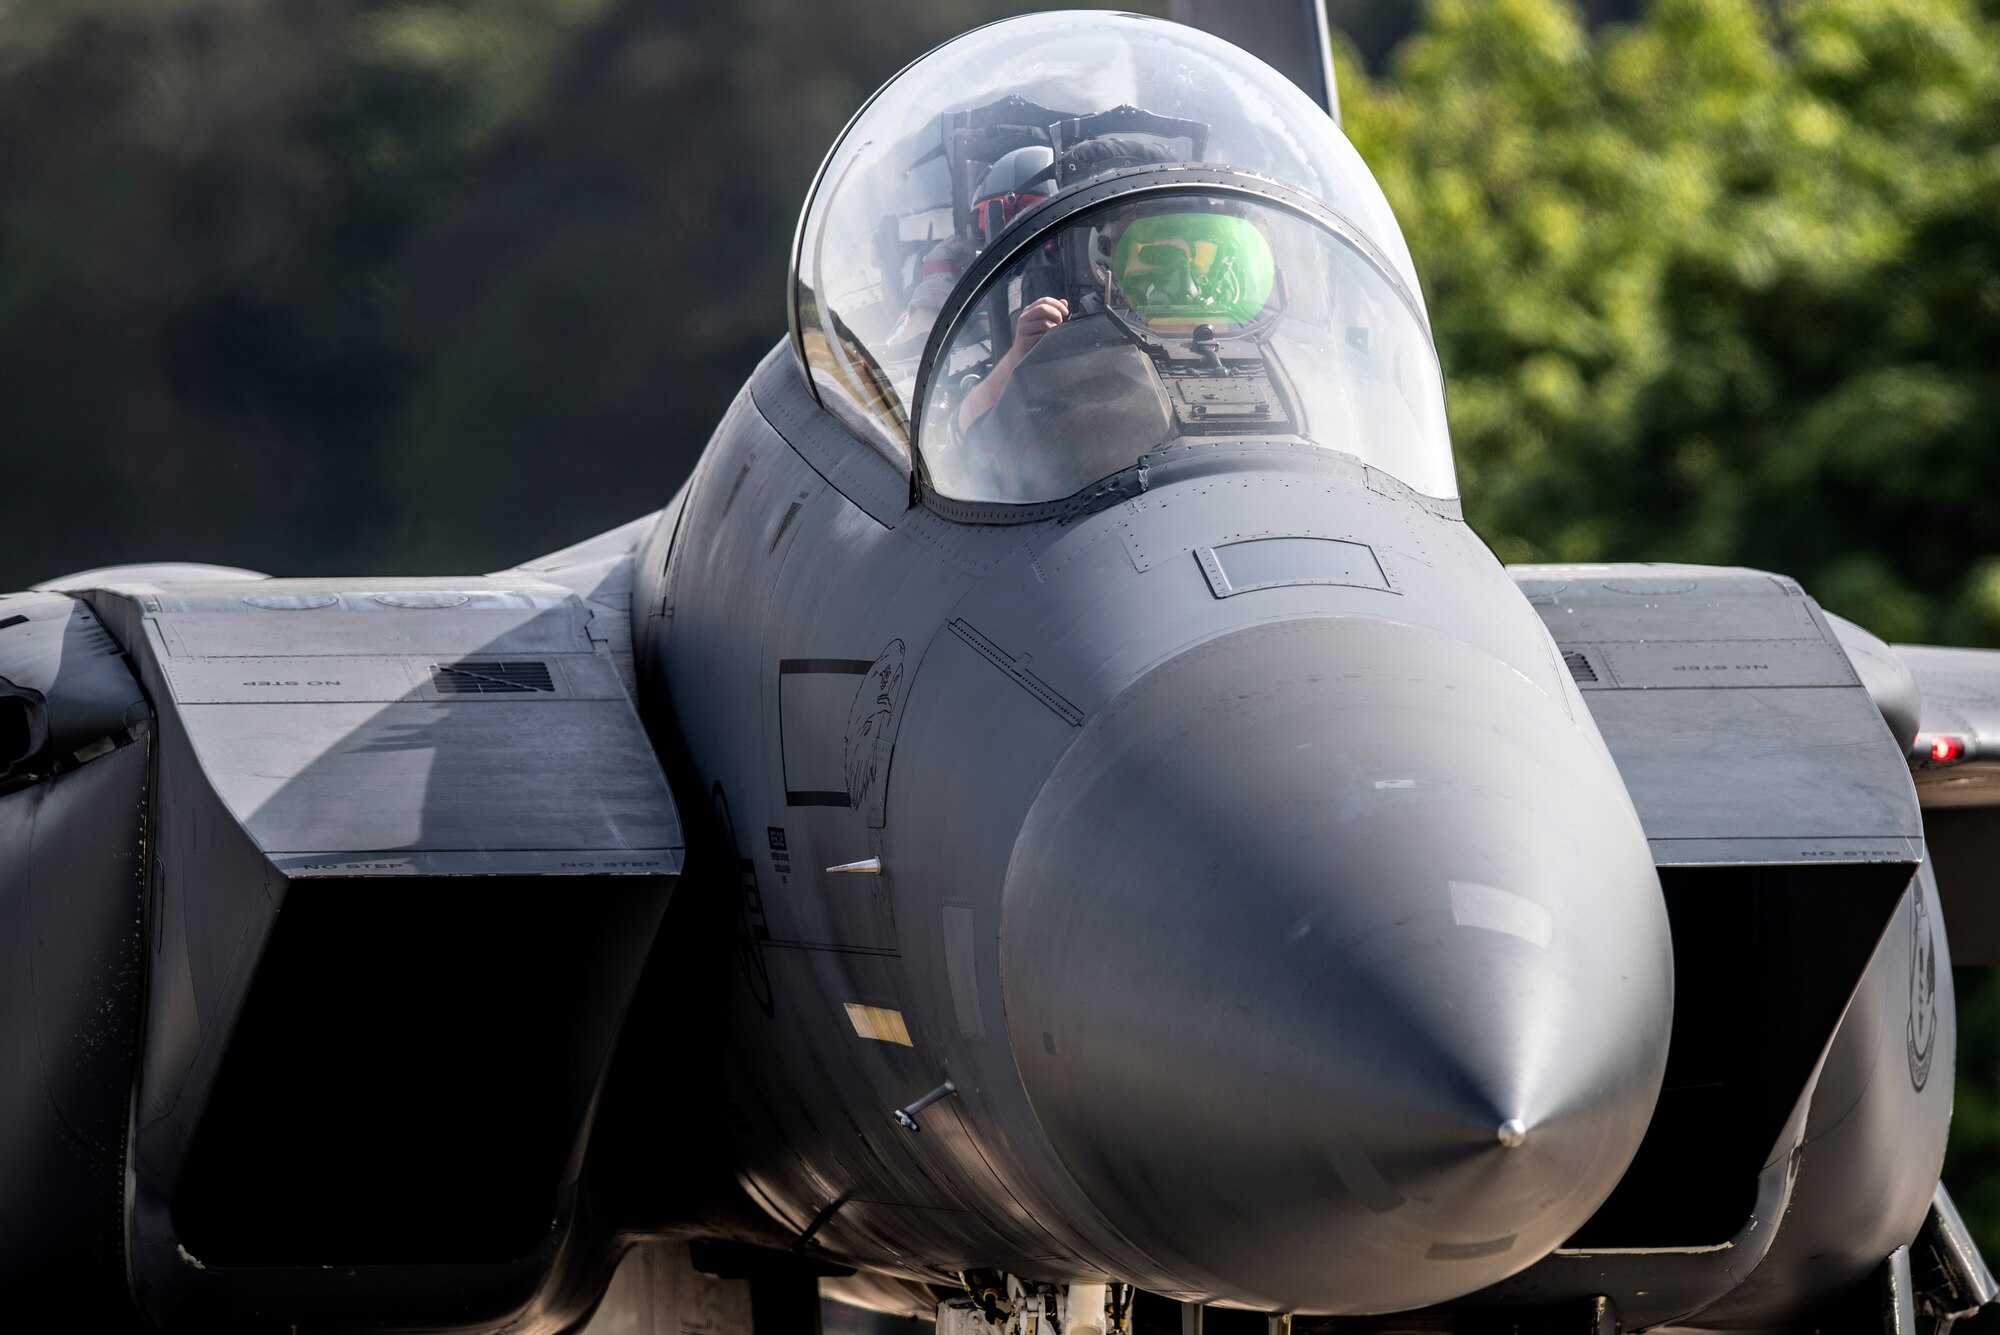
412, 1069
1579, 667
499, 677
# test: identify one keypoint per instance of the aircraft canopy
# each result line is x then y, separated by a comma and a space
1168, 317
993, 125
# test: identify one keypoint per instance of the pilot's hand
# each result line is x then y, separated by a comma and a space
1037, 318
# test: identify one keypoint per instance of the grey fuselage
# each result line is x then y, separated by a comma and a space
1250, 864
1247, 889
1228, 883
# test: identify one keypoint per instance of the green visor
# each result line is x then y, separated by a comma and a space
1194, 267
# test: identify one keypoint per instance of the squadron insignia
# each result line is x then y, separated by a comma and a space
1921, 1033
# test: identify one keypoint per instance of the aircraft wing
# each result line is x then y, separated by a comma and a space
404, 846
1738, 718
1955, 755
1755, 729
1955, 760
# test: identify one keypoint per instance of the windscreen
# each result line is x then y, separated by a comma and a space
990, 126
1173, 318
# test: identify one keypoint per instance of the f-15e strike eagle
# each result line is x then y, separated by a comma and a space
1058, 827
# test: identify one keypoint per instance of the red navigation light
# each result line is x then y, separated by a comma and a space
1947, 748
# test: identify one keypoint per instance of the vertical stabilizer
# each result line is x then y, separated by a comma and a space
1291, 36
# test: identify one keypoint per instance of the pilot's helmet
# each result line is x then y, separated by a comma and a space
1185, 268
1019, 180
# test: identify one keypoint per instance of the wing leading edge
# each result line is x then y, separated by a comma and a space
1955, 760
403, 847
1752, 726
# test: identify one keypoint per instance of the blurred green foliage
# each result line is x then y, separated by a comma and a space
367, 286
1721, 285
1972, 1162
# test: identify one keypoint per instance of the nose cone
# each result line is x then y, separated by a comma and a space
1337, 969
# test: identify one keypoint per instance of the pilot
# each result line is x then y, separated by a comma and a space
1170, 272
1036, 319
1181, 269
936, 276
1014, 184
1017, 181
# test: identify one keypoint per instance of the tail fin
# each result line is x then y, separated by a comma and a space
1291, 36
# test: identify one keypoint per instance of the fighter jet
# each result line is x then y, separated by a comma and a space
1058, 826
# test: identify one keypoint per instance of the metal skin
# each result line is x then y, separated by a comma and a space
1184, 895
1419, 1062
1229, 881
1286, 902
1873, 1134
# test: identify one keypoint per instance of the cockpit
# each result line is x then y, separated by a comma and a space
1062, 242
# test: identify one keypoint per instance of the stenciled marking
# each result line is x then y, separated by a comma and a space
753, 929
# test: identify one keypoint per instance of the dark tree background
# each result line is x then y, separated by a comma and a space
323, 286
357, 286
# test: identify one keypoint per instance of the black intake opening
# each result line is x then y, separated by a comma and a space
410, 1074
1765, 960
17, 731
